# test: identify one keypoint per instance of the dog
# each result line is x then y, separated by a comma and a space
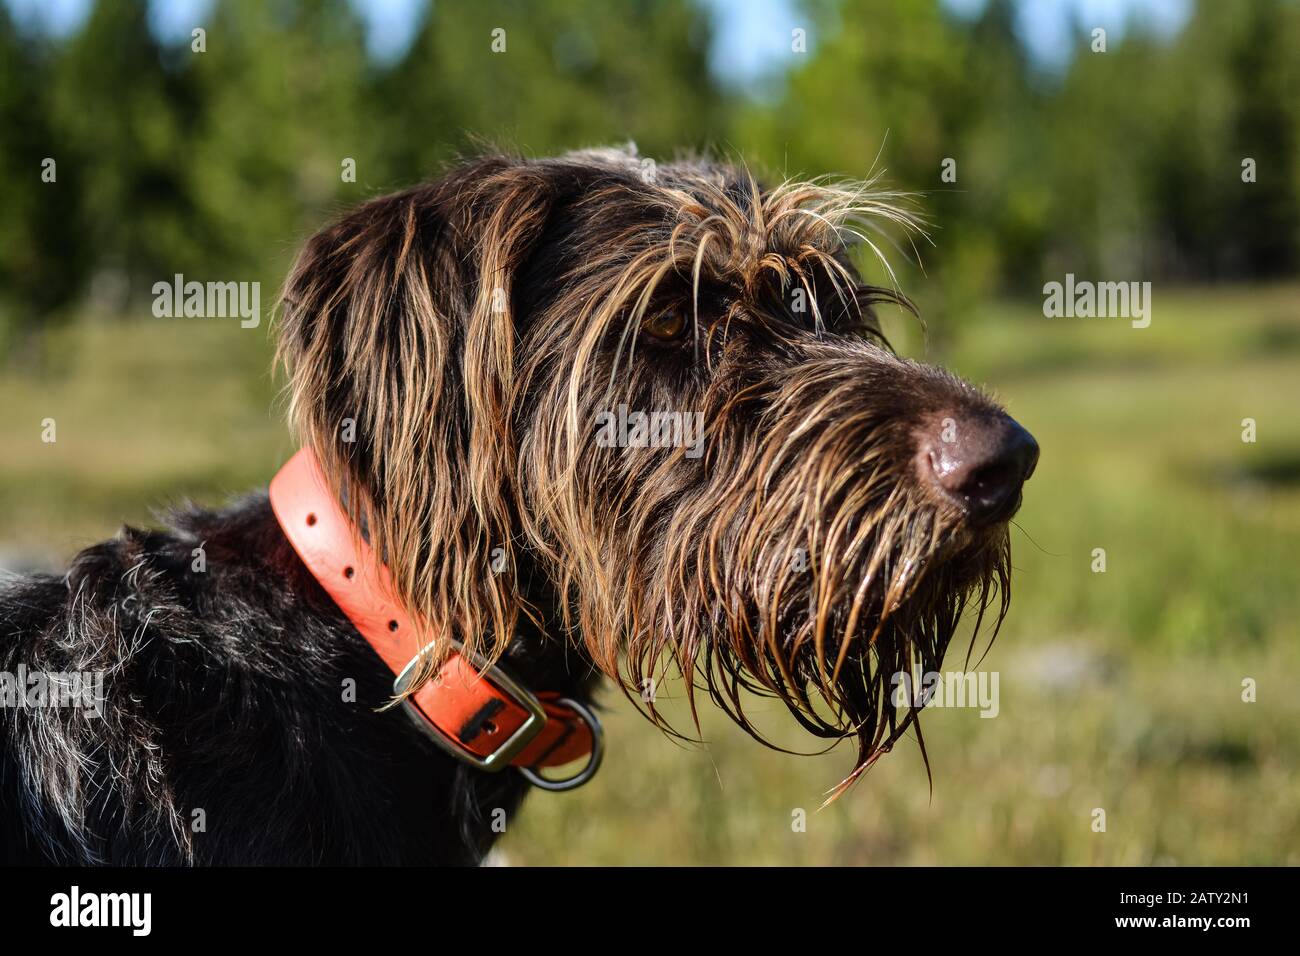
454, 354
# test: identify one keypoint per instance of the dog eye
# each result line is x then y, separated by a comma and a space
666, 326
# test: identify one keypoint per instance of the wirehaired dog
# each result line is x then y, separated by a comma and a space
450, 350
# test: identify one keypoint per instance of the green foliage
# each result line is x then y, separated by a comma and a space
120, 118
39, 242
1127, 164
285, 103
559, 76
217, 163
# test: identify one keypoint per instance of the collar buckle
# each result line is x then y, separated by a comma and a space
509, 749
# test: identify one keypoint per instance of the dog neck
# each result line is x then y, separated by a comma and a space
471, 708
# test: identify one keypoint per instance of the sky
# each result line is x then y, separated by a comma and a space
751, 37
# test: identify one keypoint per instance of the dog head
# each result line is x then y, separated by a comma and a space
650, 408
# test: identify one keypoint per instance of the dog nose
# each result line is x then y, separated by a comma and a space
980, 462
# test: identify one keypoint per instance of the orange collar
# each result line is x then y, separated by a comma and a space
474, 711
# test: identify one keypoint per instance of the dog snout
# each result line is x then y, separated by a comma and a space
980, 462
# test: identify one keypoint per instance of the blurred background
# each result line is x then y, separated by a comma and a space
1120, 690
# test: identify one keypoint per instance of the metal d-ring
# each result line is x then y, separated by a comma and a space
593, 761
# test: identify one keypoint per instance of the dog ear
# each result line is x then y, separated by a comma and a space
398, 335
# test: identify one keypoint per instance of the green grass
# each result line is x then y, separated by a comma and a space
146, 413
1119, 691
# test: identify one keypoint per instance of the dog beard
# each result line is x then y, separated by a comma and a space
797, 557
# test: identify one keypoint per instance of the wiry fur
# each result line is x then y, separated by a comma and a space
448, 349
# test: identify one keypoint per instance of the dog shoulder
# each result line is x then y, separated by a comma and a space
107, 670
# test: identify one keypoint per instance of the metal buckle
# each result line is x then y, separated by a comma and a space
512, 747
